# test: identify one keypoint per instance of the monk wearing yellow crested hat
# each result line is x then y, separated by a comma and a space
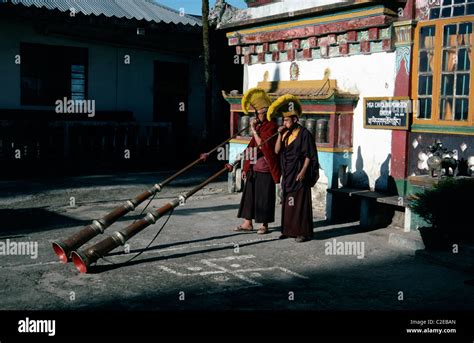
296, 147
261, 172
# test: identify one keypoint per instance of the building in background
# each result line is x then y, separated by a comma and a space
379, 81
137, 62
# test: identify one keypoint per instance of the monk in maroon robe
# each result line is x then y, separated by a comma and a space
261, 173
300, 171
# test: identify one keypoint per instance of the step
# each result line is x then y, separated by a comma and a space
408, 240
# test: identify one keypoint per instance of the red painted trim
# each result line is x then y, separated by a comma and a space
386, 44
315, 30
291, 55
233, 41
275, 56
374, 33
256, 3
333, 128
234, 122
365, 46
399, 161
409, 11
352, 36
344, 139
235, 107
314, 108
344, 48
295, 43
307, 54
332, 39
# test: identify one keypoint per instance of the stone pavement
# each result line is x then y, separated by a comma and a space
199, 262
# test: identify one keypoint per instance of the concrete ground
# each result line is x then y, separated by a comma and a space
199, 262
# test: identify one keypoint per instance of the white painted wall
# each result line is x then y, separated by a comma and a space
113, 84
287, 6
367, 75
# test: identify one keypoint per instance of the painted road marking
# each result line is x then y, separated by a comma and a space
221, 273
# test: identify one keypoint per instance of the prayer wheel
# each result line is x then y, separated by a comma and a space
302, 121
244, 123
322, 128
311, 126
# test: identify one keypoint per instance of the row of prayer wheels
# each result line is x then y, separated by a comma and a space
318, 128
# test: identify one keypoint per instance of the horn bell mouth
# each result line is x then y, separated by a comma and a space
80, 261
61, 251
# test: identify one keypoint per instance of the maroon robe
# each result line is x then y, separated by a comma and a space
258, 196
266, 130
297, 211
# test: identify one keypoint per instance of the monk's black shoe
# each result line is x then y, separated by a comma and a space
283, 237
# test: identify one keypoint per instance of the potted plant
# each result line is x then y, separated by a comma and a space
447, 208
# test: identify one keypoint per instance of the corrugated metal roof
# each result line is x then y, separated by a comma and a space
147, 10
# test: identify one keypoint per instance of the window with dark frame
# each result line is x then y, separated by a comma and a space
443, 79
78, 82
425, 71
452, 8
455, 72
50, 73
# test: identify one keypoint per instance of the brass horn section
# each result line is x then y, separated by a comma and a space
64, 248
85, 258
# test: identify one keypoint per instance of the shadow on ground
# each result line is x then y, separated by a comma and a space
41, 185
25, 221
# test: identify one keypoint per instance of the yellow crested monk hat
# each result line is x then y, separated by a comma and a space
257, 98
287, 105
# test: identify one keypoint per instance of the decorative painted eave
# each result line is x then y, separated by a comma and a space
311, 92
233, 20
360, 31
332, 23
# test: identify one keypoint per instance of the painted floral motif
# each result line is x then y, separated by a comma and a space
294, 71
403, 54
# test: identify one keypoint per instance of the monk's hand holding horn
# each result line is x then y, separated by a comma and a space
253, 123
